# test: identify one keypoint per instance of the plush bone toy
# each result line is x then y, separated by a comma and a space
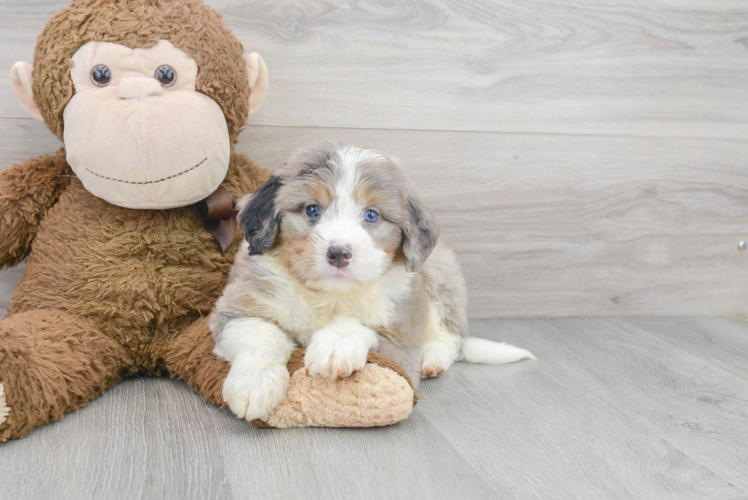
124, 227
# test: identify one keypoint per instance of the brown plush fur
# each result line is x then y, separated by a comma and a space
108, 291
27, 192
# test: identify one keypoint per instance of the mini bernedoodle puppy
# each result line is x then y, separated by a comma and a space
342, 257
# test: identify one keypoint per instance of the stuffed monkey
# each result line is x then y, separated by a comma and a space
129, 230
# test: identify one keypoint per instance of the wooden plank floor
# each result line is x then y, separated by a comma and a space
615, 408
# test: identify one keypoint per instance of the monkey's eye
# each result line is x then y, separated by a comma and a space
166, 75
312, 211
101, 75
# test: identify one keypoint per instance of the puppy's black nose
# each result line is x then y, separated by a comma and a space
339, 256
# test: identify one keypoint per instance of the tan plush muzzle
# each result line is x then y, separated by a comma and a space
137, 143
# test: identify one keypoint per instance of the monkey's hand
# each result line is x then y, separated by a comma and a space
27, 191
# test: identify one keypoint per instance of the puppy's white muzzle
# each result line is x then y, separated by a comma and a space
346, 249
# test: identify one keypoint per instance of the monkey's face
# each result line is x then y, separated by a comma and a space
137, 133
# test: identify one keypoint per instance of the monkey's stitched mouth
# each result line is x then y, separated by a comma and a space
148, 182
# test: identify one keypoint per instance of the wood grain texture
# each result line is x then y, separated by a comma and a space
721, 341
408, 459
599, 420
612, 409
145, 438
562, 221
623, 67
631, 67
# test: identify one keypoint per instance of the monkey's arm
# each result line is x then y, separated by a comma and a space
27, 191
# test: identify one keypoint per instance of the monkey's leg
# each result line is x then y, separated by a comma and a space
51, 363
380, 394
189, 356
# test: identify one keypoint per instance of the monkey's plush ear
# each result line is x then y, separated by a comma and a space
258, 80
420, 233
258, 218
20, 80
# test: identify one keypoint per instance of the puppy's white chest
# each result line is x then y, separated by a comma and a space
320, 308
374, 306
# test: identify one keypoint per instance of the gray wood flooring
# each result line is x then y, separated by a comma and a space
615, 408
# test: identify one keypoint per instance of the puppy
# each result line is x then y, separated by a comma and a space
340, 256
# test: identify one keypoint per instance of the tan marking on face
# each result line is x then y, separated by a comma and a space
321, 193
366, 196
386, 235
397, 257
297, 254
391, 243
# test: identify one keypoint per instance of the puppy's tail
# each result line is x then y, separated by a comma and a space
475, 350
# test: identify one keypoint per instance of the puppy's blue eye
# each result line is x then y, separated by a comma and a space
371, 216
312, 211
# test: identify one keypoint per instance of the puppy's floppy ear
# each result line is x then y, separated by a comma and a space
420, 233
258, 218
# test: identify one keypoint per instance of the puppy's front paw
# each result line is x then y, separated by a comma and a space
333, 356
253, 389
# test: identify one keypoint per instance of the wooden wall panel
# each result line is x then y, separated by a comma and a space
631, 67
584, 158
